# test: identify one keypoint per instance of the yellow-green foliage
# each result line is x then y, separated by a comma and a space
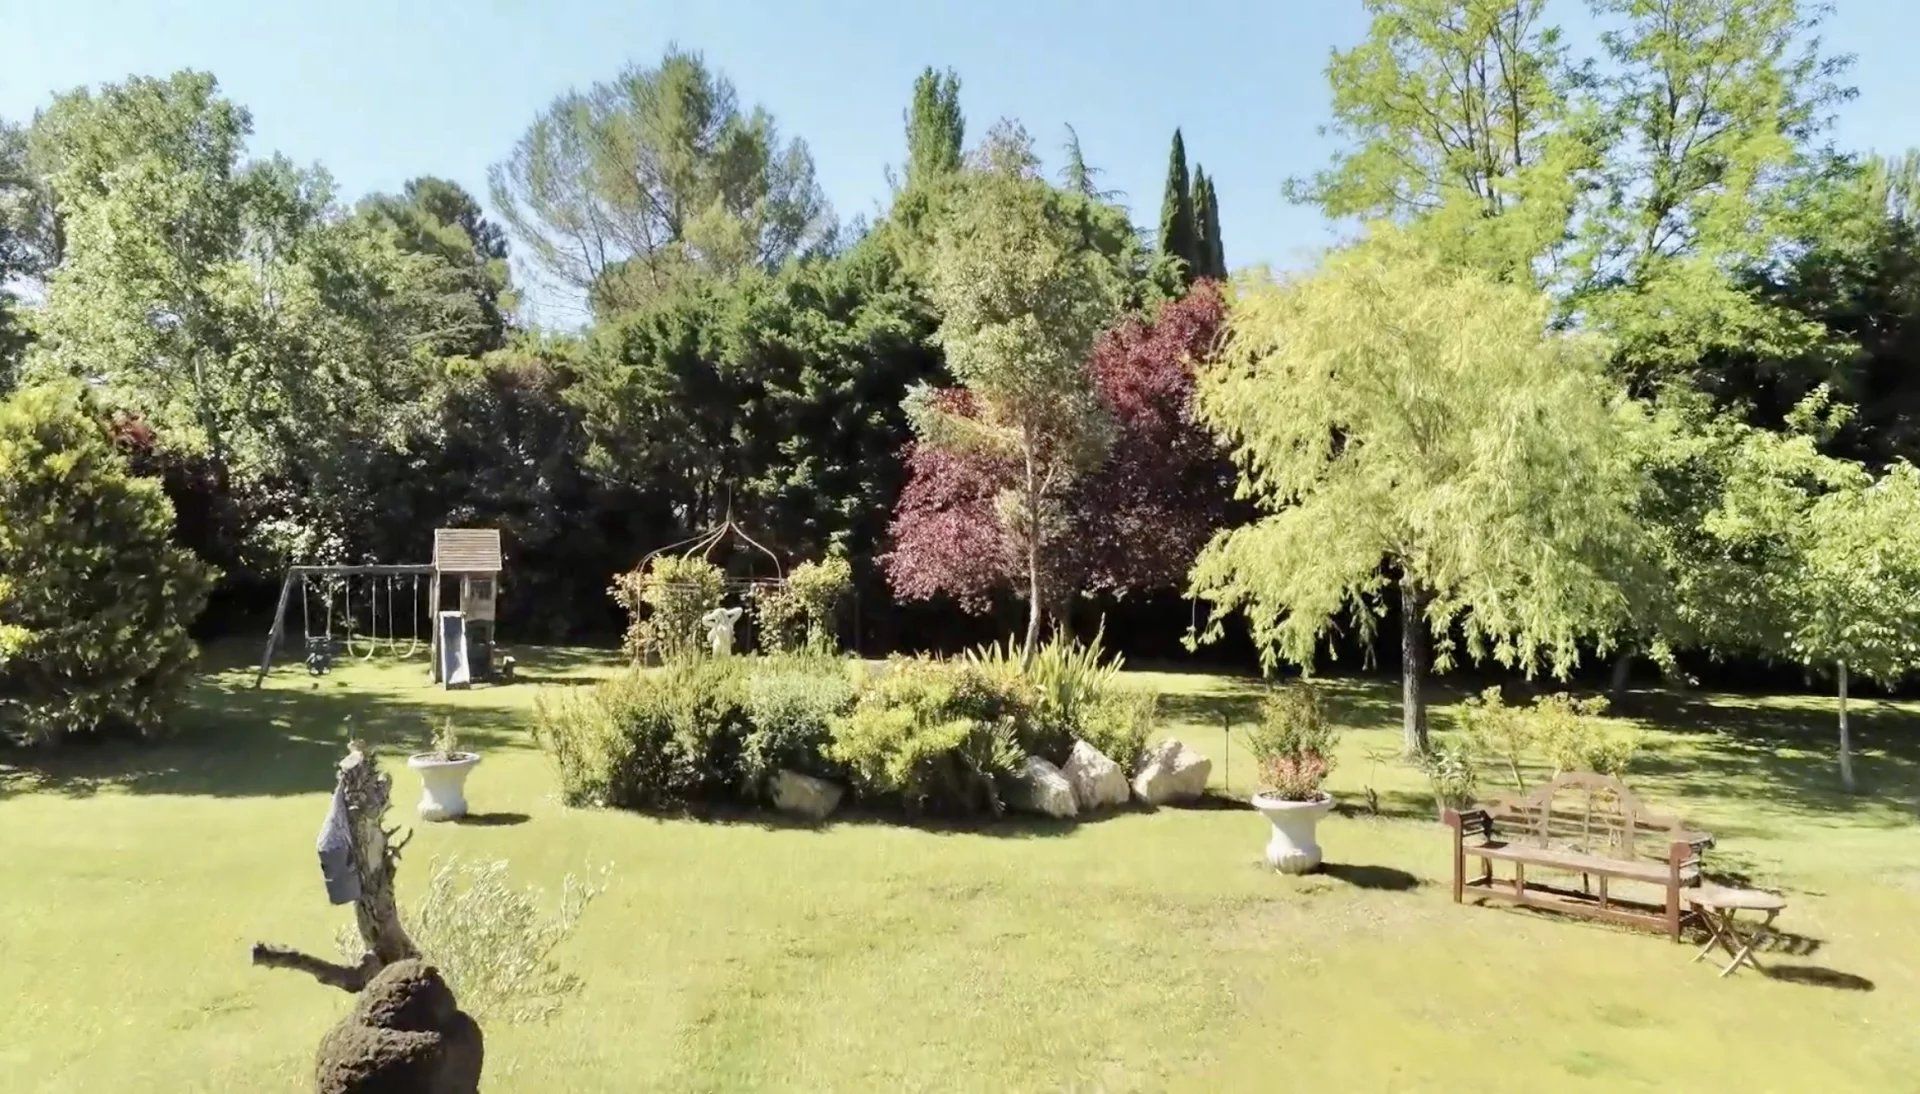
664, 603
1558, 732
1394, 415
648, 740
96, 597
803, 613
1118, 722
1293, 742
934, 735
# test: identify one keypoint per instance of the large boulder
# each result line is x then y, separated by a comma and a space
1096, 780
1173, 773
804, 795
406, 1033
1039, 787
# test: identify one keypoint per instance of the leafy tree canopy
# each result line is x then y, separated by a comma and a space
658, 174
1402, 418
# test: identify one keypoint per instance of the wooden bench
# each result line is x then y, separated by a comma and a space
1579, 824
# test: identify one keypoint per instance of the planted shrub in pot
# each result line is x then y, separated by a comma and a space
443, 772
1293, 745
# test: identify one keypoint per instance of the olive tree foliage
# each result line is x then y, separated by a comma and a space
1021, 299
1405, 421
95, 596
625, 189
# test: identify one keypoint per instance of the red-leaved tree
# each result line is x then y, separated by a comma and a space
1133, 525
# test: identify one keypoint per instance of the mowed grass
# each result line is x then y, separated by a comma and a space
1138, 951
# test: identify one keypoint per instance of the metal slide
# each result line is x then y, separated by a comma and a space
454, 672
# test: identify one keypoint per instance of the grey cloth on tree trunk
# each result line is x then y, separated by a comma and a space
336, 852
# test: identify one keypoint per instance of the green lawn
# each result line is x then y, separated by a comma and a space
1138, 951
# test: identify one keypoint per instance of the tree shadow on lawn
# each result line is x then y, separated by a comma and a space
1780, 758
1358, 702
236, 741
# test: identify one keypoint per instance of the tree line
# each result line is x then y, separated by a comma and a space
1613, 361
321, 381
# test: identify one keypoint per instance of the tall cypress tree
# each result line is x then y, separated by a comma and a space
1176, 209
1202, 242
935, 127
1213, 256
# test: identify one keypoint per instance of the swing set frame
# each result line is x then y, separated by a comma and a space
302, 575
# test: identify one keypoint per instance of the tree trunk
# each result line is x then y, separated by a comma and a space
1622, 670
375, 912
1846, 741
1413, 666
1034, 607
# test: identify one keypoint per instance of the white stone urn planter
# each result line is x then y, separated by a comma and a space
1292, 848
443, 783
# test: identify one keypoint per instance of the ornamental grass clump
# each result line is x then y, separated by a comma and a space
1293, 743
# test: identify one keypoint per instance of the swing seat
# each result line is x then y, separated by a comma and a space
321, 651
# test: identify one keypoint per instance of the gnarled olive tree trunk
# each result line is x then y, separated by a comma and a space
375, 856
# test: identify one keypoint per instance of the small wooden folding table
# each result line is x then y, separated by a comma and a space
1720, 909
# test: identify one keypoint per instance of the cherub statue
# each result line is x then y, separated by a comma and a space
719, 623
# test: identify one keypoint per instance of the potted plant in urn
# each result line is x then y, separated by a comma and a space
443, 772
1293, 745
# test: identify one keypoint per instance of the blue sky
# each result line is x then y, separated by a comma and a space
380, 90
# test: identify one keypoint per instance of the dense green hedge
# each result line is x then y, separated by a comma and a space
95, 598
917, 734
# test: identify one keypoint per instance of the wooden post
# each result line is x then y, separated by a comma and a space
1458, 829
433, 629
1677, 854
273, 633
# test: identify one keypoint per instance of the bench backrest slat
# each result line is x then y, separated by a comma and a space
1586, 812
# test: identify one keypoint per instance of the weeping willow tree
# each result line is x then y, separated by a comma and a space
1410, 426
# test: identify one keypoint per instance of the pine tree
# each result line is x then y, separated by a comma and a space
1176, 209
935, 126
1202, 242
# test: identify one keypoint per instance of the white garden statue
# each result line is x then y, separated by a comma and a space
719, 623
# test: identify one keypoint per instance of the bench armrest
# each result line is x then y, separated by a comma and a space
1687, 849
1464, 821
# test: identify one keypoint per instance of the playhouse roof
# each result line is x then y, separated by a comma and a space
467, 550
